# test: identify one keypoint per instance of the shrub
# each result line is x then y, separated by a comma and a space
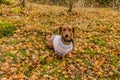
15, 10
7, 2
6, 29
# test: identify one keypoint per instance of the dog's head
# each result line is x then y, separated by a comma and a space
67, 33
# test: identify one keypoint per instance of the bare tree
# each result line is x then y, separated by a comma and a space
70, 4
116, 5
23, 3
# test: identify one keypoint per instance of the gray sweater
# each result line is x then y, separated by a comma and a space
59, 47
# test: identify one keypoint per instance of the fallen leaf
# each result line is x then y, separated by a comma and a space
72, 67
84, 77
63, 63
97, 64
66, 76
72, 77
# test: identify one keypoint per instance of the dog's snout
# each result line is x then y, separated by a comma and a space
66, 35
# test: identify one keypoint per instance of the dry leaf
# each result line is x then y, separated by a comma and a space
66, 76
63, 63
72, 67
84, 77
97, 64
72, 77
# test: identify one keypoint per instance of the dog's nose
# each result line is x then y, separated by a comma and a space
66, 35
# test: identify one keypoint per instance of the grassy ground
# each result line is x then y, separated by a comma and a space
96, 54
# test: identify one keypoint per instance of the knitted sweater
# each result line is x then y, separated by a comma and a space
59, 47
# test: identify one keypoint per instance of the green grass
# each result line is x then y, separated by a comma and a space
118, 33
6, 29
7, 2
114, 77
78, 77
27, 73
19, 22
23, 53
96, 41
14, 42
1, 75
102, 79
114, 60
16, 10
88, 64
7, 54
14, 59
90, 52
42, 59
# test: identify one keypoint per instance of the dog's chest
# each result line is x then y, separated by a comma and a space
59, 47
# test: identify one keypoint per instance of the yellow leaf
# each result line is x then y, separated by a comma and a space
74, 52
98, 64
100, 73
110, 73
84, 77
19, 76
66, 76
64, 72
78, 60
63, 64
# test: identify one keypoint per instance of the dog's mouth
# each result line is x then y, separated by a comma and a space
66, 41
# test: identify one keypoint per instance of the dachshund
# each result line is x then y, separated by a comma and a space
62, 43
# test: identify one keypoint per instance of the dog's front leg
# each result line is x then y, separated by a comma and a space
48, 42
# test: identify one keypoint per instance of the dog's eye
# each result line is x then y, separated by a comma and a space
64, 29
69, 29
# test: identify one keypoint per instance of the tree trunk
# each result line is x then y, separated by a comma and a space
116, 5
70, 6
23, 3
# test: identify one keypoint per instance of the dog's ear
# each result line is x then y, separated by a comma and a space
73, 30
60, 30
